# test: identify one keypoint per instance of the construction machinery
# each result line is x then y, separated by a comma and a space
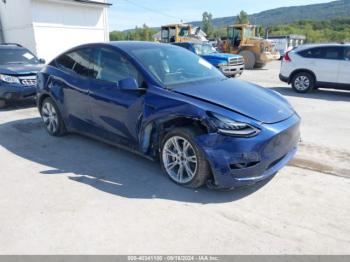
243, 39
177, 33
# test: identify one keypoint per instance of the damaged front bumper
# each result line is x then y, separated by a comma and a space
239, 162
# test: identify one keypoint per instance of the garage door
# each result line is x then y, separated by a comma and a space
60, 25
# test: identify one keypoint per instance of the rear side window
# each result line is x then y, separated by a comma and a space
311, 53
331, 52
77, 61
65, 62
111, 66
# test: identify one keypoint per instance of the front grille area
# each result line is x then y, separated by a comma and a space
28, 80
234, 61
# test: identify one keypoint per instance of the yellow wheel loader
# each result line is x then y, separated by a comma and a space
243, 39
176, 33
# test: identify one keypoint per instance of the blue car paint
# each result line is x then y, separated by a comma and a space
14, 91
215, 58
137, 120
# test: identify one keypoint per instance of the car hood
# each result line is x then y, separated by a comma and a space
20, 69
242, 97
222, 56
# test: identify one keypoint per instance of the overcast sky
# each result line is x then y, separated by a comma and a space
126, 14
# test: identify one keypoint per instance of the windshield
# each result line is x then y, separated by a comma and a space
249, 32
173, 65
204, 49
184, 31
17, 56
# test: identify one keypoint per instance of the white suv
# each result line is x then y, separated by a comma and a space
312, 66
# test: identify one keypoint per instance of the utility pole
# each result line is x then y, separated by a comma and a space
1, 33
2, 39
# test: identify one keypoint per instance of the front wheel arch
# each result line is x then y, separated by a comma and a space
203, 171
153, 138
292, 75
41, 100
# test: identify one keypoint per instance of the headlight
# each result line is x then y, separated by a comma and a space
223, 64
9, 79
228, 126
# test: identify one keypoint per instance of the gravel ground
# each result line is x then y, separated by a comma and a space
73, 195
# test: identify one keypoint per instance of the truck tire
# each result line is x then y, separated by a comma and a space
249, 59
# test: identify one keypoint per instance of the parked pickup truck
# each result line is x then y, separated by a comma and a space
230, 65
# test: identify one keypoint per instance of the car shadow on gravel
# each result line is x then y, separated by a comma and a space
324, 94
105, 168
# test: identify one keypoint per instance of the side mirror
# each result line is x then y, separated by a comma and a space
129, 83
42, 61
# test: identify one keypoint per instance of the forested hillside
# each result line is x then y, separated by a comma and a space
285, 15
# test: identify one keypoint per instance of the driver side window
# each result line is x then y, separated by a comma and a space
111, 66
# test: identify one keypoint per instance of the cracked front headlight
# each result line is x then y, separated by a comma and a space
9, 79
230, 127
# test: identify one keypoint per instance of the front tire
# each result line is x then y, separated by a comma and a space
182, 160
303, 82
52, 118
249, 59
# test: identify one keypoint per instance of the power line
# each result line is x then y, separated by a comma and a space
153, 10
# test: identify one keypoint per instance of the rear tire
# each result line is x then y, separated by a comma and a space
2, 103
52, 119
303, 82
249, 59
182, 160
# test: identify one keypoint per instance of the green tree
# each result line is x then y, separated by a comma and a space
336, 30
143, 33
242, 18
117, 36
207, 23
220, 32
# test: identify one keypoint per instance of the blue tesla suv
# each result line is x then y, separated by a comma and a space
18, 69
166, 103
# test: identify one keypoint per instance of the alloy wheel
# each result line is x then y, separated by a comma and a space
302, 83
179, 159
50, 118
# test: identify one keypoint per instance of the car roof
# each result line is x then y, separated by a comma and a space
7, 47
306, 46
10, 46
130, 45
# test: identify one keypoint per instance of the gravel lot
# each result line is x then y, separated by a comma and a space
73, 195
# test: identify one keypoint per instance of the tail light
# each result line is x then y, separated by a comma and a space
287, 57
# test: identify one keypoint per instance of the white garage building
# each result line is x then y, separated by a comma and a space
49, 27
